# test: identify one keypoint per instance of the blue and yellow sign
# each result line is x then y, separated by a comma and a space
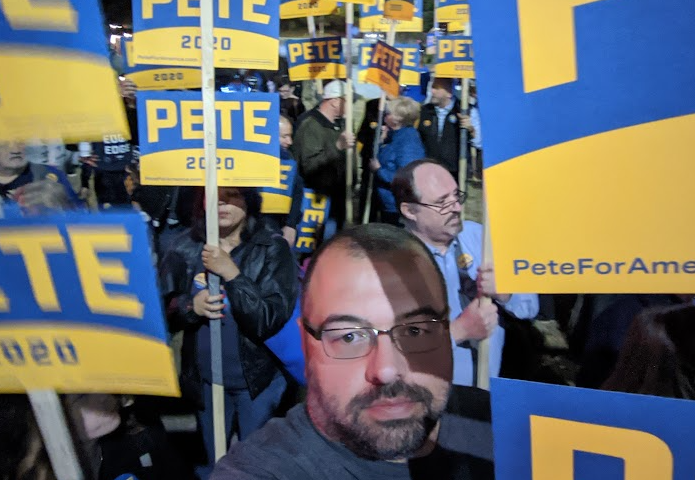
588, 159
399, 9
279, 199
167, 32
385, 68
171, 139
306, 8
410, 65
79, 307
540, 434
56, 80
158, 78
455, 13
315, 210
372, 19
316, 58
454, 58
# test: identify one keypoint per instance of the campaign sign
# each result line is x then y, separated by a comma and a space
157, 78
56, 80
79, 307
455, 13
587, 152
306, 8
399, 9
315, 208
454, 57
167, 32
552, 432
315, 58
385, 68
279, 199
372, 19
171, 139
410, 65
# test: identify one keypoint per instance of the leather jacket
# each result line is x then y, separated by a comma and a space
262, 298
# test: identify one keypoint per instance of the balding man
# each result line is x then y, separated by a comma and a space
378, 363
429, 201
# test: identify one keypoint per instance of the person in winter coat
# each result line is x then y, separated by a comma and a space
259, 289
401, 144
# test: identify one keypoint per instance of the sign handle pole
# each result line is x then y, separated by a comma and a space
483, 365
390, 39
56, 436
349, 164
212, 233
311, 24
463, 141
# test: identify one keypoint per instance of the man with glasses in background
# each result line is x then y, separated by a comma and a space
380, 404
429, 201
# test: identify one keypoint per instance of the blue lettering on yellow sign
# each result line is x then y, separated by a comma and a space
385, 68
454, 57
316, 58
171, 142
410, 64
541, 435
372, 18
167, 32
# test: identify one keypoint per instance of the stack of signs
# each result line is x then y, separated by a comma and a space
315, 210
316, 58
372, 18
57, 80
245, 34
454, 57
171, 139
157, 78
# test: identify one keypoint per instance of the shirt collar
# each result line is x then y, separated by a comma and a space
448, 108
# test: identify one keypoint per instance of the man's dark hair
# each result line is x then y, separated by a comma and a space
403, 184
372, 240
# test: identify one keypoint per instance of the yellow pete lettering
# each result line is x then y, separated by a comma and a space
33, 244
295, 50
226, 109
458, 48
184, 9
366, 56
87, 242
148, 7
249, 15
409, 57
154, 124
548, 47
4, 302
554, 441
251, 122
188, 119
57, 15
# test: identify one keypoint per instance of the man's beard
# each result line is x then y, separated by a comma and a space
372, 439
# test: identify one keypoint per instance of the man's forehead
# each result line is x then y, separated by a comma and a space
432, 181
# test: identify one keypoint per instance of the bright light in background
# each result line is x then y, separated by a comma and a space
114, 39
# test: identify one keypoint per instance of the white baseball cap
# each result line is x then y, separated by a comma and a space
334, 89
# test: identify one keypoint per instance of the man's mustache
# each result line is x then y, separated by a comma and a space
414, 393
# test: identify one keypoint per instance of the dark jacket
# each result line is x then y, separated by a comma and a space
446, 149
262, 298
321, 164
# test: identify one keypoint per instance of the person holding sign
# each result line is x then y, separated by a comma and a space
379, 404
259, 281
320, 144
401, 145
440, 121
429, 200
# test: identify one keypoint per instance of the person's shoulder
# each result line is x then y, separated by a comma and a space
273, 452
471, 232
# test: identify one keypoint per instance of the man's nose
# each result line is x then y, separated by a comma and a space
386, 363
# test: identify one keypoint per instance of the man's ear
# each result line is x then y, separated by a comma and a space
407, 211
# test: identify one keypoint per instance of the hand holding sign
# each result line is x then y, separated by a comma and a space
219, 262
476, 322
345, 141
209, 306
486, 284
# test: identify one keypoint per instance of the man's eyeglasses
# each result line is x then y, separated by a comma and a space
446, 207
356, 342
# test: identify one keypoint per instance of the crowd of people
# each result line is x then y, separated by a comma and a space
382, 323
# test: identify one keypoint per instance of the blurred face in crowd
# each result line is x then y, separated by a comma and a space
436, 226
366, 392
231, 208
440, 96
334, 108
286, 91
12, 157
285, 133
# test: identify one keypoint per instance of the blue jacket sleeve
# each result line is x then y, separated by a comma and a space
405, 148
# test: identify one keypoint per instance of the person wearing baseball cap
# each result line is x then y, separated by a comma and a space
320, 144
